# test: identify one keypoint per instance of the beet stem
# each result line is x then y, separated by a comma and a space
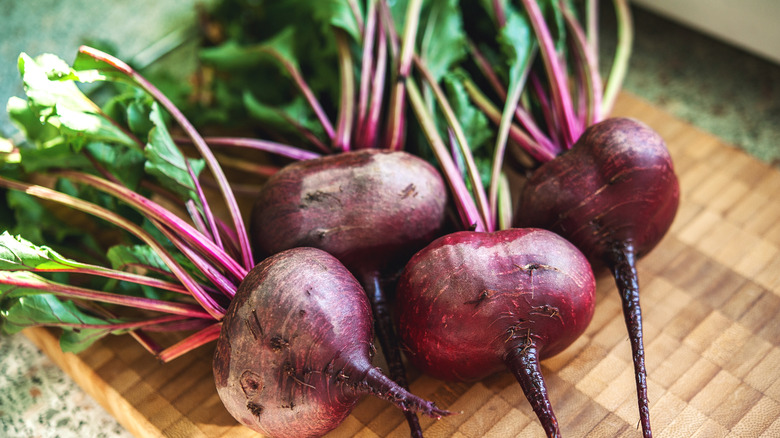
524, 363
388, 342
622, 262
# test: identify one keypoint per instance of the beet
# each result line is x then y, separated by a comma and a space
370, 208
472, 303
614, 195
294, 353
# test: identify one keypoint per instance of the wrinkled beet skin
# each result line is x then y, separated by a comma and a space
368, 208
298, 321
615, 185
468, 299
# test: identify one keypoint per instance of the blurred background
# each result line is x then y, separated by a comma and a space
712, 63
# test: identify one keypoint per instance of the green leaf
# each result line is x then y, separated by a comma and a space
474, 122
122, 256
126, 164
232, 55
17, 253
33, 308
46, 92
337, 13
57, 118
278, 117
88, 126
165, 160
517, 42
443, 38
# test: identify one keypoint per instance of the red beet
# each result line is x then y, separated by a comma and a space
471, 304
371, 209
293, 355
614, 195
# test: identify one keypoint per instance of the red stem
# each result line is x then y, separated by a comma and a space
366, 68
74, 292
198, 141
555, 73
273, 147
343, 137
369, 131
148, 207
202, 337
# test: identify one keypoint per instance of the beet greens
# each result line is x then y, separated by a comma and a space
176, 265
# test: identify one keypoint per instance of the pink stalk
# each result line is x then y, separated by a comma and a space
304, 88
467, 209
216, 312
369, 131
521, 115
366, 68
227, 287
114, 274
347, 101
202, 337
154, 211
397, 123
132, 325
498, 7
198, 141
355, 6
548, 112
472, 172
273, 147
65, 290
207, 213
555, 72
592, 80
197, 218
516, 134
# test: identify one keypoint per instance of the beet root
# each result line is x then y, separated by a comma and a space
471, 304
614, 194
370, 208
294, 353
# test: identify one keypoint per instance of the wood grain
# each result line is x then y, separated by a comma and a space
711, 296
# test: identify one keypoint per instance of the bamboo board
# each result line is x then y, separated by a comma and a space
711, 298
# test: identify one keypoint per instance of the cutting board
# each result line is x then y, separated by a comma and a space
711, 298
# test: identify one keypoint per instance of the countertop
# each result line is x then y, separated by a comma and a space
721, 90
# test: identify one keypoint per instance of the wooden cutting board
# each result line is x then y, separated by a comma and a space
711, 300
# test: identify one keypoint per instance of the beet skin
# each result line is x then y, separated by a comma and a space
471, 304
293, 356
369, 208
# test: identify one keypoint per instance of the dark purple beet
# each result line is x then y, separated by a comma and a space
371, 208
614, 195
471, 304
293, 356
